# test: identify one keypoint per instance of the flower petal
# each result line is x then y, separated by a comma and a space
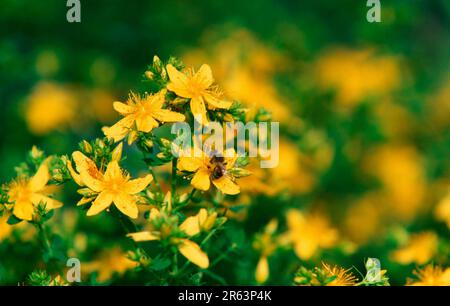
202, 216
123, 109
191, 226
85, 200
116, 154
226, 185
230, 158
126, 204
262, 270
305, 248
40, 179
154, 214
137, 185
198, 108
165, 115
201, 180
23, 210
89, 174
157, 100
119, 130
146, 123
203, 77
102, 202
178, 82
215, 102
50, 203
193, 253
76, 177
190, 164
113, 171
144, 236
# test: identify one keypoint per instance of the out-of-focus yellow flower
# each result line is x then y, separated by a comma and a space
342, 277
363, 219
265, 243
108, 263
246, 68
50, 107
262, 270
431, 276
213, 169
26, 194
357, 74
442, 210
439, 107
146, 113
186, 247
5, 228
292, 173
420, 249
100, 102
114, 186
197, 87
309, 233
400, 169
397, 122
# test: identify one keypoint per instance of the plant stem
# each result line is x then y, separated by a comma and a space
191, 195
44, 239
150, 168
174, 178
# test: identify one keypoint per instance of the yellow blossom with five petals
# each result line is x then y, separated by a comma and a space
113, 186
309, 233
211, 168
142, 113
27, 193
197, 87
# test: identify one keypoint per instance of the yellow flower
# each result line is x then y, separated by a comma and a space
419, 249
400, 168
211, 168
144, 113
28, 193
342, 276
266, 244
262, 270
246, 67
186, 247
363, 219
203, 221
442, 211
357, 74
309, 233
114, 186
5, 228
108, 263
431, 276
50, 107
197, 87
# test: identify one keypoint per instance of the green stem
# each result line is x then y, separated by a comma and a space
175, 264
44, 239
174, 178
191, 195
154, 178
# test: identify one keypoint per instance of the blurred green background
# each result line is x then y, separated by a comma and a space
364, 107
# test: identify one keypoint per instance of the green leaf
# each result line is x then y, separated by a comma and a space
159, 264
13, 220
